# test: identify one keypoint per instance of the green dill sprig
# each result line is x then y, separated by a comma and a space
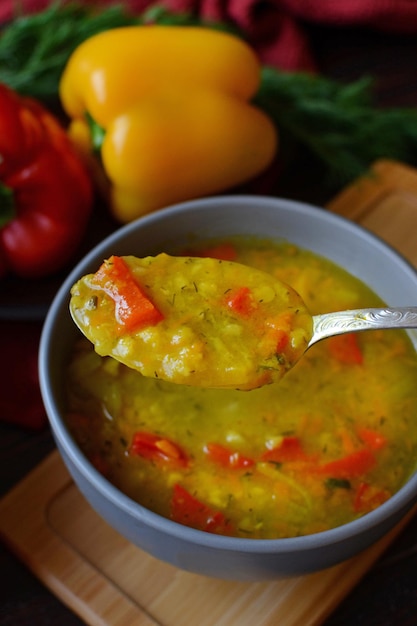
34, 49
337, 123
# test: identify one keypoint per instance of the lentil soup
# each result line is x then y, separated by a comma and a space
334, 439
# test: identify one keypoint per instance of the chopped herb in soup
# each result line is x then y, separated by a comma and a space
194, 321
333, 440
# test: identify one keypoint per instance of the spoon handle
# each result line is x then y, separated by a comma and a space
339, 322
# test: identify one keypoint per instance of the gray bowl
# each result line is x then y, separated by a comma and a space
336, 238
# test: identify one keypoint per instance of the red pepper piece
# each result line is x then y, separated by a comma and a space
282, 339
158, 448
241, 301
227, 457
189, 511
133, 307
289, 449
353, 465
367, 498
373, 439
346, 349
45, 191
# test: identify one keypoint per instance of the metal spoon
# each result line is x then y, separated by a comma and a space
340, 322
193, 340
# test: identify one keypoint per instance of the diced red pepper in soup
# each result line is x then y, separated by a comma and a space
188, 510
353, 465
346, 349
158, 448
227, 457
287, 450
328, 443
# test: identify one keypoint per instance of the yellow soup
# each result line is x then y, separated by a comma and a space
334, 439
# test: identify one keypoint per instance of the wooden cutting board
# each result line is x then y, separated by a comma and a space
108, 581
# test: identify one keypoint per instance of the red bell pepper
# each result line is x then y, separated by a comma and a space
45, 192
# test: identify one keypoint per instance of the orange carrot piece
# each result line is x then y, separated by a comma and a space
133, 307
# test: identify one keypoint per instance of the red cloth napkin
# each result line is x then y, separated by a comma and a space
274, 27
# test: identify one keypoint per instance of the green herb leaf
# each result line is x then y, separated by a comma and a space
337, 123
338, 483
34, 49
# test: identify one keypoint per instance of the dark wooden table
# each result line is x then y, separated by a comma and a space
388, 594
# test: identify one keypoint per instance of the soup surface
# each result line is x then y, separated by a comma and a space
334, 439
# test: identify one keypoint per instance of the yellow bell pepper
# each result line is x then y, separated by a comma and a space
173, 104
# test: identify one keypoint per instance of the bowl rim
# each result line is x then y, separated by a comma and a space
397, 504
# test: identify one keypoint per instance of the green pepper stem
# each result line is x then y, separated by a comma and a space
7, 205
97, 134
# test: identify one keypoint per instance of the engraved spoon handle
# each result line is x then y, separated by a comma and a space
330, 324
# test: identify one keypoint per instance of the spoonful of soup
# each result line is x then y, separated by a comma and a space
207, 322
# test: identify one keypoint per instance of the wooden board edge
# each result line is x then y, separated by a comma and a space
28, 535
384, 177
